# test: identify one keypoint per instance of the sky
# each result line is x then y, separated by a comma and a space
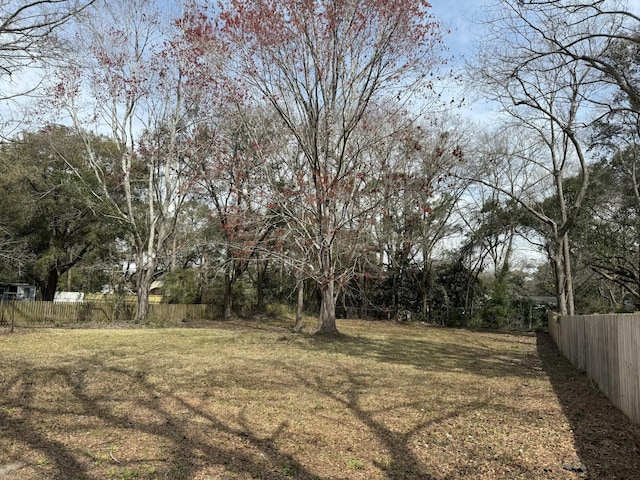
457, 16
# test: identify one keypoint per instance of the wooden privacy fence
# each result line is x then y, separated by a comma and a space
607, 348
60, 314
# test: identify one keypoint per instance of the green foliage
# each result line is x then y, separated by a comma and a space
498, 309
243, 294
392, 292
182, 286
91, 275
454, 293
279, 288
48, 205
278, 310
355, 464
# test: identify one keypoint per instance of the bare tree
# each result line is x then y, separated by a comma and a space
552, 98
322, 66
26, 30
143, 80
230, 182
29, 42
419, 198
602, 34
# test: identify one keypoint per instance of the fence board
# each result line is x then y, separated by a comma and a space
629, 365
607, 348
60, 314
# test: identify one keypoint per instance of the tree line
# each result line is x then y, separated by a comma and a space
308, 154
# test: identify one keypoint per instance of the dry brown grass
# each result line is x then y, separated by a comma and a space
250, 400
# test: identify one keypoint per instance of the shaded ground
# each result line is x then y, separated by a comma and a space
250, 400
606, 442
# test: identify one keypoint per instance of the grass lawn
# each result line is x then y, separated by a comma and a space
250, 400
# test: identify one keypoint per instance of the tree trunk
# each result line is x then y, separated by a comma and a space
364, 295
568, 275
204, 280
394, 287
424, 291
145, 279
227, 299
143, 305
55, 271
327, 317
174, 259
145, 272
261, 270
558, 271
49, 291
343, 301
299, 306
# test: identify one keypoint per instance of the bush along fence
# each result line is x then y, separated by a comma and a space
607, 348
25, 314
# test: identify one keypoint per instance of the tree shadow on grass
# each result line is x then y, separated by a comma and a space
402, 462
607, 442
432, 355
188, 434
25, 432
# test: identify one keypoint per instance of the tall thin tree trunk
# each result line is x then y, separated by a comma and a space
205, 294
424, 291
299, 306
327, 317
363, 311
174, 260
228, 296
261, 271
558, 271
568, 275
343, 301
